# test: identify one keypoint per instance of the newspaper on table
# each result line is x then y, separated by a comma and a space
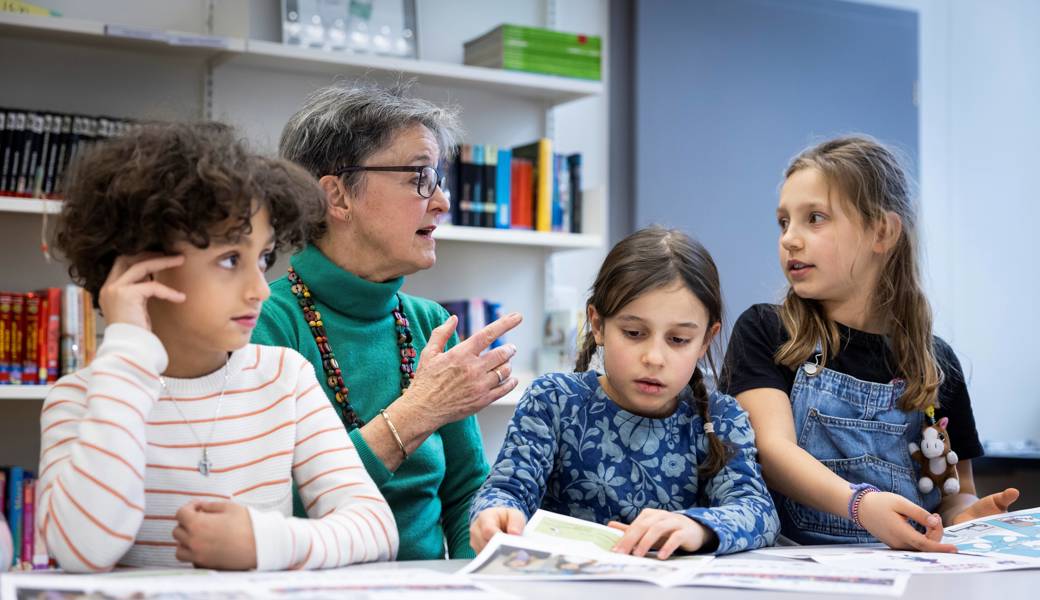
996, 543
192, 584
880, 558
558, 548
1008, 536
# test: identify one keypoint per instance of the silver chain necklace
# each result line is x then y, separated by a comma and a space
205, 465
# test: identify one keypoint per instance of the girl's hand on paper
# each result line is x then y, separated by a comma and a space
492, 521
215, 535
666, 531
886, 515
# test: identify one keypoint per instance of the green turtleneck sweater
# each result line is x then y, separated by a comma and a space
430, 492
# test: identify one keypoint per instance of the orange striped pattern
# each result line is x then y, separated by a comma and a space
118, 462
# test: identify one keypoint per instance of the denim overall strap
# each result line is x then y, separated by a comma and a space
856, 429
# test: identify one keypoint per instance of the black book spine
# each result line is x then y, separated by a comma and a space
574, 162
17, 147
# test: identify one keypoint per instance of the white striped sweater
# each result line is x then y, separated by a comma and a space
117, 460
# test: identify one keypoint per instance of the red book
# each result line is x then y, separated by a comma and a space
5, 337
53, 334
16, 347
41, 339
31, 339
522, 209
28, 517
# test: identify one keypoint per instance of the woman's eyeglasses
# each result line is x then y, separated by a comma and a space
429, 177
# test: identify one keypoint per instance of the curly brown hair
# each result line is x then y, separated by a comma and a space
169, 182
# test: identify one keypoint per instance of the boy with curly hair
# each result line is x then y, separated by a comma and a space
181, 441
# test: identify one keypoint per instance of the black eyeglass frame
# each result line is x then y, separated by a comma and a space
438, 180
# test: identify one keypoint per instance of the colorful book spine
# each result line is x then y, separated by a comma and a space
41, 338
574, 166
16, 347
541, 156
503, 187
71, 332
5, 337
28, 516
14, 510
487, 215
89, 328
31, 339
53, 334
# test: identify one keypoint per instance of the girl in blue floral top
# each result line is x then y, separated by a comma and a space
645, 447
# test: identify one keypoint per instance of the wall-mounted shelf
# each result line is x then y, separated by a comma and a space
273, 55
24, 392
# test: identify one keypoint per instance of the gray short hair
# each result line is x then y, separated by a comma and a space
343, 125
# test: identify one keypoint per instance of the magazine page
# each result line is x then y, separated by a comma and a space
1014, 535
550, 526
528, 558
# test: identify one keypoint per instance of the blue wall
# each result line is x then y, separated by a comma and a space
727, 91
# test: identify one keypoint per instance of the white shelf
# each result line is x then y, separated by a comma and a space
29, 205
24, 392
447, 233
555, 90
273, 55
100, 35
517, 237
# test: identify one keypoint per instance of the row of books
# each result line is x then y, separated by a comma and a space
536, 50
524, 187
18, 499
474, 314
45, 334
37, 147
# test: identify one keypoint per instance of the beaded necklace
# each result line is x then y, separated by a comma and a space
333, 374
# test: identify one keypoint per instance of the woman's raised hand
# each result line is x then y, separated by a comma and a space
453, 385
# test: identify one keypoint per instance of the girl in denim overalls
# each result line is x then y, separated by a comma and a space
834, 446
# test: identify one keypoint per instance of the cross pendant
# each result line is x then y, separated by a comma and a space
205, 464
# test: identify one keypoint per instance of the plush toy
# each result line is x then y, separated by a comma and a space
938, 462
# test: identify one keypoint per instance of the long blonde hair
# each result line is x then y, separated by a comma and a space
871, 182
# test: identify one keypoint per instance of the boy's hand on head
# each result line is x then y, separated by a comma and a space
666, 531
494, 520
885, 516
994, 504
215, 535
124, 296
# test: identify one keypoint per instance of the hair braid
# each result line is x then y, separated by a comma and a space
718, 453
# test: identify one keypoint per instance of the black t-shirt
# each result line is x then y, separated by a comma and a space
759, 333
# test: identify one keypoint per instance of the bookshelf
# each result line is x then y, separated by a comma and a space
33, 206
24, 392
224, 60
264, 54
447, 232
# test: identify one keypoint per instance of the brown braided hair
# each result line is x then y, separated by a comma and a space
655, 258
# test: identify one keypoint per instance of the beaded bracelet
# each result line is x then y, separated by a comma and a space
393, 432
858, 491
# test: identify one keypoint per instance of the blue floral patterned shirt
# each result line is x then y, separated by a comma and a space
572, 450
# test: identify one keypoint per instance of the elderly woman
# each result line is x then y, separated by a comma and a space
376, 152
